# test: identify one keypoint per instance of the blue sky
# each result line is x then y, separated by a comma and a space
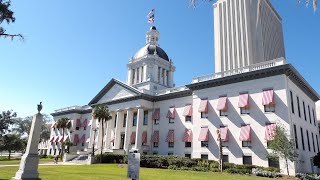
73, 48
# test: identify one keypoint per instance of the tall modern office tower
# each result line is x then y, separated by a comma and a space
246, 32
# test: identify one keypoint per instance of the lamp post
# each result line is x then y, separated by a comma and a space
220, 150
94, 140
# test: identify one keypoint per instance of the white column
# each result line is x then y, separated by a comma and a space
150, 130
161, 79
129, 81
117, 130
165, 77
128, 130
145, 72
155, 73
137, 145
140, 74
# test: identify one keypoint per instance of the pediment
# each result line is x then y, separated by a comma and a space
114, 90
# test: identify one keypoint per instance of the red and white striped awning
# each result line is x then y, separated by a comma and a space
78, 123
187, 137
155, 136
83, 139
133, 138
270, 131
53, 125
51, 139
187, 110
56, 139
75, 138
222, 104
144, 137
156, 114
243, 101
203, 106
245, 133
204, 134
85, 123
170, 136
66, 138
268, 97
171, 113
224, 134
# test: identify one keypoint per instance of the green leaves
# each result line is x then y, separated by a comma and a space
101, 112
282, 146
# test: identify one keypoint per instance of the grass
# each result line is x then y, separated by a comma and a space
117, 172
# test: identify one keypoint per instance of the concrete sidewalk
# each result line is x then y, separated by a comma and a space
46, 164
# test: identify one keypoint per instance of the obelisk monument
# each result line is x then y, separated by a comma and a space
30, 160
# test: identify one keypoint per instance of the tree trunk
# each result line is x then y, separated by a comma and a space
9, 154
102, 136
62, 144
287, 166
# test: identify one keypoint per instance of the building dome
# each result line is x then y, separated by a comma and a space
150, 49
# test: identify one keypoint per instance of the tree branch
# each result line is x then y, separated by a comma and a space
5, 35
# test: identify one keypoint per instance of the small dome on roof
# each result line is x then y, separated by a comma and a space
153, 27
150, 49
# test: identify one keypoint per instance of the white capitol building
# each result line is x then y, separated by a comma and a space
252, 90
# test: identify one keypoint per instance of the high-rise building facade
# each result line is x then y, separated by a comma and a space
246, 32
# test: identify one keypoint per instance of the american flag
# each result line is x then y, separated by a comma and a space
151, 16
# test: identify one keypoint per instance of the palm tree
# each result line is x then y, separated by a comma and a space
193, 3
63, 123
101, 113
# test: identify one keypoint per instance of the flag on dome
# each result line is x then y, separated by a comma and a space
151, 16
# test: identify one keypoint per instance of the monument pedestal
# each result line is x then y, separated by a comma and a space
28, 167
30, 160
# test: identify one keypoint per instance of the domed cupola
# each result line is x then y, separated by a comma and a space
150, 68
152, 46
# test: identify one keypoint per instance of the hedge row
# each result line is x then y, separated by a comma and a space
182, 163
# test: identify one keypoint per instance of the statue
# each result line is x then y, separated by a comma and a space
39, 107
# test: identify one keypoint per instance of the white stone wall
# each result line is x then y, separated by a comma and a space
304, 160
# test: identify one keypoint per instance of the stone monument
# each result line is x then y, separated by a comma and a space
30, 160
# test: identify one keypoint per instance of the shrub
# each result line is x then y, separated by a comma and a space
264, 173
112, 158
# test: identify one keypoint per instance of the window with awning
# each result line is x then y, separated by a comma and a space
66, 139
85, 123
78, 124
187, 110
83, 139
133, 138
187, 137
243, 103
270, 131
245, 133
243, 100
203, 108
268, 97
75, 138
204, 135
155, 136
224, 134
171, 114
144, 137
223, 106
51, 139
170, 136
156, 114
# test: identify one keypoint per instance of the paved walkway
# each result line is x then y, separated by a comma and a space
46, 164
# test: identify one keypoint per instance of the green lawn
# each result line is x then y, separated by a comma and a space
116, 172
